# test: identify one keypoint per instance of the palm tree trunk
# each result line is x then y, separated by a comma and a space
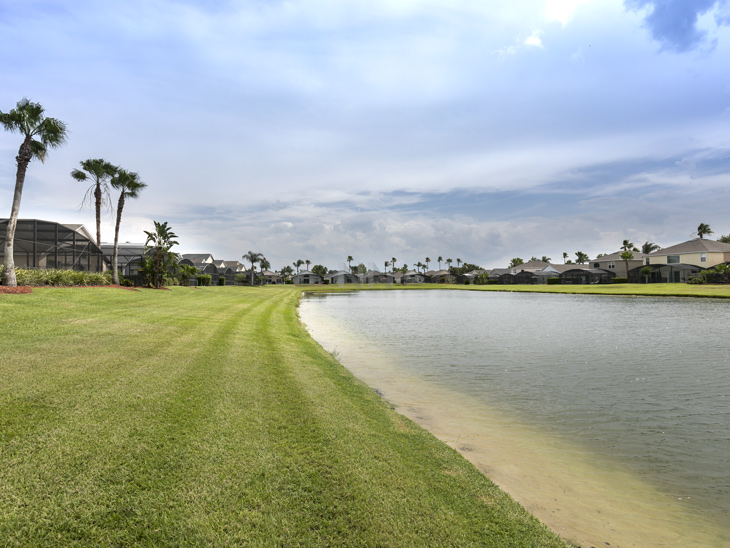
25, 154
115, 271
97, 199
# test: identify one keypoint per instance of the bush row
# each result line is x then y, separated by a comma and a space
57, 277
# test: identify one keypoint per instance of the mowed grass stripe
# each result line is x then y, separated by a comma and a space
210, 417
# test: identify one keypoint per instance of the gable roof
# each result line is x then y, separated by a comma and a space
698, 245
638, 256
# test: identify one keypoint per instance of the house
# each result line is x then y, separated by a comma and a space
342, 277
614, 263
409, 277
206, 267
440, 277
203, 258
529, 266
697, 252
376, 277
272, 277
586, 275
306, 277
47, 244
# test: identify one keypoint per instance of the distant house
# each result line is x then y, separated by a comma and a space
342, 277
682, 262
614, 263
306, 277
586, 276
440, 276
471, 277
375, 277
272, 277
204, 258
529, 266
129, 257
46, 244
409, 277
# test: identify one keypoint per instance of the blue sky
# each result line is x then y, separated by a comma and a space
318, 129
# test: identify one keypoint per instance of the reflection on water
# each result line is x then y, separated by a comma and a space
608, 417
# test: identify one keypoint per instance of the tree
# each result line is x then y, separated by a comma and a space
649, 247
703, 230
129, 186
185, 272
320, 270
546, 259
565, 257
253, 258
428, 261
627, 256
448, 262
360, 269
264, 264
724, 239
516, 262
308, 262
646, 272
39, 134
387, 264
99, 171
628, 246
392, 263
581, 257
286, 272
458, 263
297, 264
349, 260
439, 261
159, 261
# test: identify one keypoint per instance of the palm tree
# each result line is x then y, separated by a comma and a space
264, 264
428, 261
448, 262
627, 256
517, 261
581, 257
703, 230
392, 263
565, 257
39, 134
99, 171
253, 258
349, 260
387, 264
297, 264
649, 247
439, 261
628, 246
308, 262
646, 272
458, 263
546, 259
129, 185
159, 260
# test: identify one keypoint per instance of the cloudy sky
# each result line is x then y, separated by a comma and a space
317, 129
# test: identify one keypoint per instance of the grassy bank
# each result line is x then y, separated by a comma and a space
208, 417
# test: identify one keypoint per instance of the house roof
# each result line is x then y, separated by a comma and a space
198, 257
533, 264
565, 267
638, 256
698, 245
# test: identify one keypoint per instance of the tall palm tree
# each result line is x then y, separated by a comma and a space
703, 230
439, 261
448, 262
392, 263
628, 246
297, 264
546, 259
129, 186
581, 257
349, 260
39, 134
458, 263
387, 264
627, 256
565, 257
428, 261
264, 264
99, 171
649, 247
308, 262
253, 258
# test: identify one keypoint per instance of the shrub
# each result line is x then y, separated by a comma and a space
240, 278
127, 283
696, 281
467, 282
58, 277
204, 279
325, 281
553, 281
619, 281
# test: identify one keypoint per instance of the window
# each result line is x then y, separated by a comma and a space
671, 259
703, 257
611, 264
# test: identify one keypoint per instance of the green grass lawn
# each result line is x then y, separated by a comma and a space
209, 417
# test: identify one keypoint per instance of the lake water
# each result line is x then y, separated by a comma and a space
607, 417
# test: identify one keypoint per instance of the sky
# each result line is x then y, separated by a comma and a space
322, 129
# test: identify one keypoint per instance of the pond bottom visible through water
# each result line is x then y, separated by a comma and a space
588, 500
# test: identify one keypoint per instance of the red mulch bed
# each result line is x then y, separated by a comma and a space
24, 289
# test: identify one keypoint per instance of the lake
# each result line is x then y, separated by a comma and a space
606, 417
